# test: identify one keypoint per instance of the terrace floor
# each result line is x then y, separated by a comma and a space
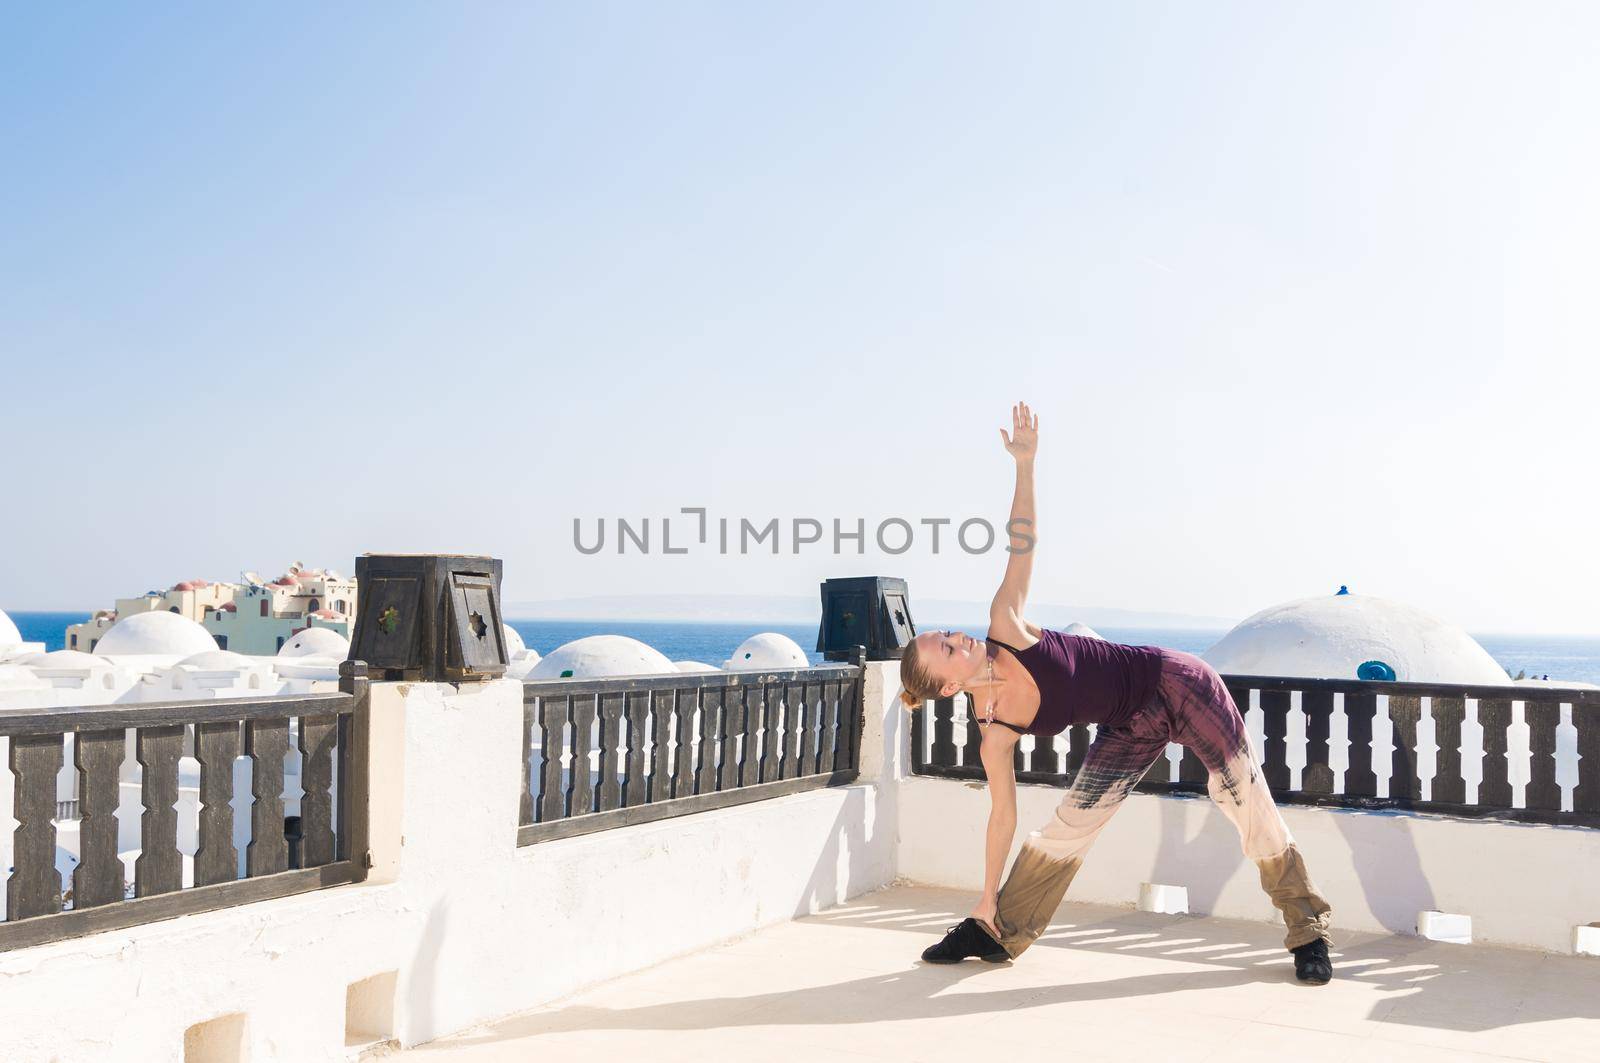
1102, 984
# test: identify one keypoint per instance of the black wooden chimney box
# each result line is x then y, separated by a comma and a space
429, 617
870, 611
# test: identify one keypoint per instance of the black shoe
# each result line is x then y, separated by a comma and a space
1311, 963
966, 938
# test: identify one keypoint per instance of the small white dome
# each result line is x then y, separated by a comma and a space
601, 655
522, 667
9, 635
217, 661
1085, 630
157, 633
1352, 636
317, 642
767, 650
514, 643
694, 666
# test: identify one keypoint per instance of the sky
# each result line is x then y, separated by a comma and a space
1303, 294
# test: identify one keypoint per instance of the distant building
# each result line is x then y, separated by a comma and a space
264, 615
254, 617
86, 636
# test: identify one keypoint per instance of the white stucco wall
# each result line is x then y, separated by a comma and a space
1522, 884
475, 927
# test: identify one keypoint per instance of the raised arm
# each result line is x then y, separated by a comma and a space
1005, 612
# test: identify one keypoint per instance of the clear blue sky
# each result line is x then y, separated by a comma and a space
1305, 294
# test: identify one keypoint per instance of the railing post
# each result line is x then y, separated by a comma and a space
355, 769
859, 710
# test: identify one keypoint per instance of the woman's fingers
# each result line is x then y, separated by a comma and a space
1005, 438
1023, 419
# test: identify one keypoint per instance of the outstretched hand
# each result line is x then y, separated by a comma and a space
1023, 442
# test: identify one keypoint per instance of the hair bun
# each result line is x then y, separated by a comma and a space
908, 699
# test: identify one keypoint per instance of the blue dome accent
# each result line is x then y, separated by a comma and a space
1375, 671
1342, 590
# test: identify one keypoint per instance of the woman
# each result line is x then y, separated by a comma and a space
1027, 680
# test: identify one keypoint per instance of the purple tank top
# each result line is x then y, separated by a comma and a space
1086, 680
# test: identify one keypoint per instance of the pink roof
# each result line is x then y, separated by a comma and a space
184, 586
327, 614
228, 607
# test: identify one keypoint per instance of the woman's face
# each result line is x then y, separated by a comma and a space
952, 657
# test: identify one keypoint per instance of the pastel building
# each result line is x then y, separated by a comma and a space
264, 615
254, 616
192, 599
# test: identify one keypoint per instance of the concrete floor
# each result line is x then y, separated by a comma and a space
1102, 984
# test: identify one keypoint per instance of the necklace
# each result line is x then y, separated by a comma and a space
988, 709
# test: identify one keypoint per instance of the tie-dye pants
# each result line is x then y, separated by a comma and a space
1192, 706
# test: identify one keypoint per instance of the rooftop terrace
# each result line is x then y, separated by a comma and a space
684, 864
1102, 984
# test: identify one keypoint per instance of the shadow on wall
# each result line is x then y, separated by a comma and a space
1193, 862
1393, 883
849, 834
1389, 868
423, 976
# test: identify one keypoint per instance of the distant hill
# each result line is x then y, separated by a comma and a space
798, 609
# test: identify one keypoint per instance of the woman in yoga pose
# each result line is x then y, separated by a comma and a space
1024, 679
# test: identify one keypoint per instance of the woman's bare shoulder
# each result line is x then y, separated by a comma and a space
1008, 627
997, 739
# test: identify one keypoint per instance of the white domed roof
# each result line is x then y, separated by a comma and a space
694, 666
156, 633
514, 643
9, 635
217, 661
1085, 630
767, 650
317, 642
1352, 636
601, 655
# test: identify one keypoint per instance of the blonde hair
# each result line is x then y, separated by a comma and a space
917, 684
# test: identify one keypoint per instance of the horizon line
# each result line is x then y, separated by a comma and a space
507, 617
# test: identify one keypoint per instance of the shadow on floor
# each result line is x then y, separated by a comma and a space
1437, 984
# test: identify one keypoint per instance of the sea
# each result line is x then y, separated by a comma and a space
1570, 658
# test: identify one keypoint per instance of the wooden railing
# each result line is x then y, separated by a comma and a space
601, 753
332, 734
1518, 752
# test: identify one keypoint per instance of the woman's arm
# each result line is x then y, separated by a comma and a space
998, 766
1005, 612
